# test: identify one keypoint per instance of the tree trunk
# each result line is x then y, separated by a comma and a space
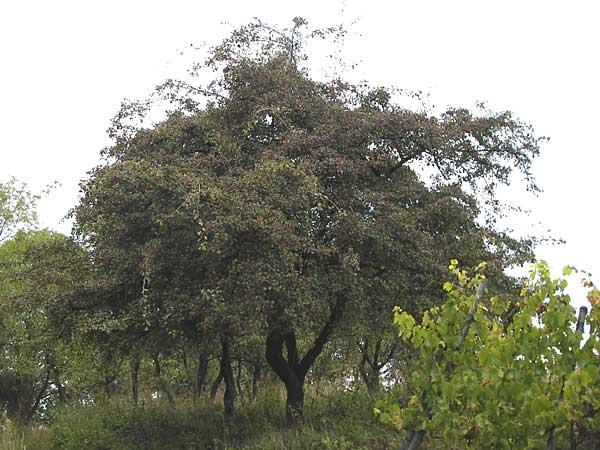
255, 380
202, 371
157, 374
108, 384
371, 366
215, 385
227, 370
198, 375
370, 376
62, 397
292, 371
238, 379
294, 403
162, 384
135, 369
193, 384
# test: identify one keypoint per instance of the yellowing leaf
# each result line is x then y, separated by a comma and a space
397, 420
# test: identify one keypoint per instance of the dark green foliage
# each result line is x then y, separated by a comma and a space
274, 206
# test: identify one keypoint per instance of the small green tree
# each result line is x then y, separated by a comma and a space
40, 273
17, 208
501, 373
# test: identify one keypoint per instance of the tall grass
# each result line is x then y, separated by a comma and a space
337, 422
13, 437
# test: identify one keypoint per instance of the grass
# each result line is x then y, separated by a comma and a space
13, 437
337, 422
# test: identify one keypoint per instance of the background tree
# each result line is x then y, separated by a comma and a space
39, 276
17, 208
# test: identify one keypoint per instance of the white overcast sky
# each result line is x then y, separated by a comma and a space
65, 66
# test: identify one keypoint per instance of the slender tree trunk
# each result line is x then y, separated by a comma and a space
371, 365
414, 438
62, 397
202, 371
255, 380
238, 379
110, 369
135, 369
162, 385
227, 370
370, 376
157, 374
108, 382
197, 376
216, 383
552, 442
193, 384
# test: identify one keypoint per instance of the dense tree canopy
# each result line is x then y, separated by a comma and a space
270, 204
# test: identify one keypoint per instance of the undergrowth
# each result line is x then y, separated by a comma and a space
338, 422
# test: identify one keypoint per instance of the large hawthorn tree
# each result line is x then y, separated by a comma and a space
269, 203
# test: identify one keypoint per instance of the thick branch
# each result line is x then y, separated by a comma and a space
274, 356
292, 350
323, 337
375, 363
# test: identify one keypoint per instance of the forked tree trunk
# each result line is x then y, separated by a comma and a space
372, 365
38, 399
291, 370
370, 376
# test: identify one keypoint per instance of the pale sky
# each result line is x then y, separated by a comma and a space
65, 66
